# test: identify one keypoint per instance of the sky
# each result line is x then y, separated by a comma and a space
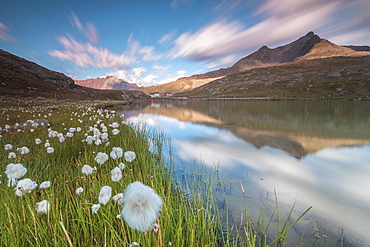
151, 42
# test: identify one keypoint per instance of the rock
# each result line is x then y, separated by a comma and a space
334, 74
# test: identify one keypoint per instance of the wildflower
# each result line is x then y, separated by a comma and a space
104, 129
104, 137
134, 244
69, 134
141, 206
87, 170
8, 146
79, 190
32, 130
38, 141
12, 155
155, 228
15, 171
25, 186
78, 129
118, 198
45, 185
116, 153
43, 207
101, 158
95, 208
61, 139
116, 174
130, 156
98, 142
50, 150
47, 144
105, 194
23, 150
72, 130
121, 166
118, 216
115, 131
114, 125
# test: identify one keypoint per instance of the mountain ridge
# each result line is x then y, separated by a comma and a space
263, 57
109, 82
22, 78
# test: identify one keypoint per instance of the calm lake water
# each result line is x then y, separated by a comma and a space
311, 153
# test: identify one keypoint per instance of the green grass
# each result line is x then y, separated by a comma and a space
189, 217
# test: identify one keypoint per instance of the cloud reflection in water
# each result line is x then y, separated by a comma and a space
335, 181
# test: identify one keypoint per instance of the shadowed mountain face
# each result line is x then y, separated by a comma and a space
22, 78
308, 47
109, 82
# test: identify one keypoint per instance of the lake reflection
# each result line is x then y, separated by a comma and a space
312, 153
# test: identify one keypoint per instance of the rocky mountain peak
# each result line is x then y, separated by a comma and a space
109, 82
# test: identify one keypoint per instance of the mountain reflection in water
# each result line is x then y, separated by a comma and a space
312, 153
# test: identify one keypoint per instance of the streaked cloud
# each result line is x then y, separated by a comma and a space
87, 55
168, 37
4, 34
282, 21
88, 29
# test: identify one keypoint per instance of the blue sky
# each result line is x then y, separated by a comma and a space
154, 42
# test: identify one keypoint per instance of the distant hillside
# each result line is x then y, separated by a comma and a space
308, 47
342, 77
263, 57
109, 82
22, 78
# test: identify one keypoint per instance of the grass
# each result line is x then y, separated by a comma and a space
189, 217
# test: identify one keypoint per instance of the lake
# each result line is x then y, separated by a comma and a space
314, 153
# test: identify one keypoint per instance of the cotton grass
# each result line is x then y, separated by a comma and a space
141, 206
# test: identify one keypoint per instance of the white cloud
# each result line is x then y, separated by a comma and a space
284, 20
88, 55
89, 29
4, 34
168, 37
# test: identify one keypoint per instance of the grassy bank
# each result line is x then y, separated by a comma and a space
72, 216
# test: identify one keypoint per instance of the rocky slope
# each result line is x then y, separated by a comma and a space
109, 82
308, 47
263, 57
22, 78
342, 77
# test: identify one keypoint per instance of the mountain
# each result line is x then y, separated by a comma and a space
329, 78
22, 78
263, 57
307, 47
109, 82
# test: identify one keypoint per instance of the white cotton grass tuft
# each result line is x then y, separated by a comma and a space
116, 174
129, 156
116, 153
87, 170
45, 185
38, 141
121, 166
23, 150
25, 186
79, 190
115, 131
95, 208
15, 171
12, 155
43, 207
50, 150
118, 198
101, 158
105, 194
8, 146
142, 206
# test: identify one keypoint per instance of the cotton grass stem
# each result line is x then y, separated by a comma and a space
66, 234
